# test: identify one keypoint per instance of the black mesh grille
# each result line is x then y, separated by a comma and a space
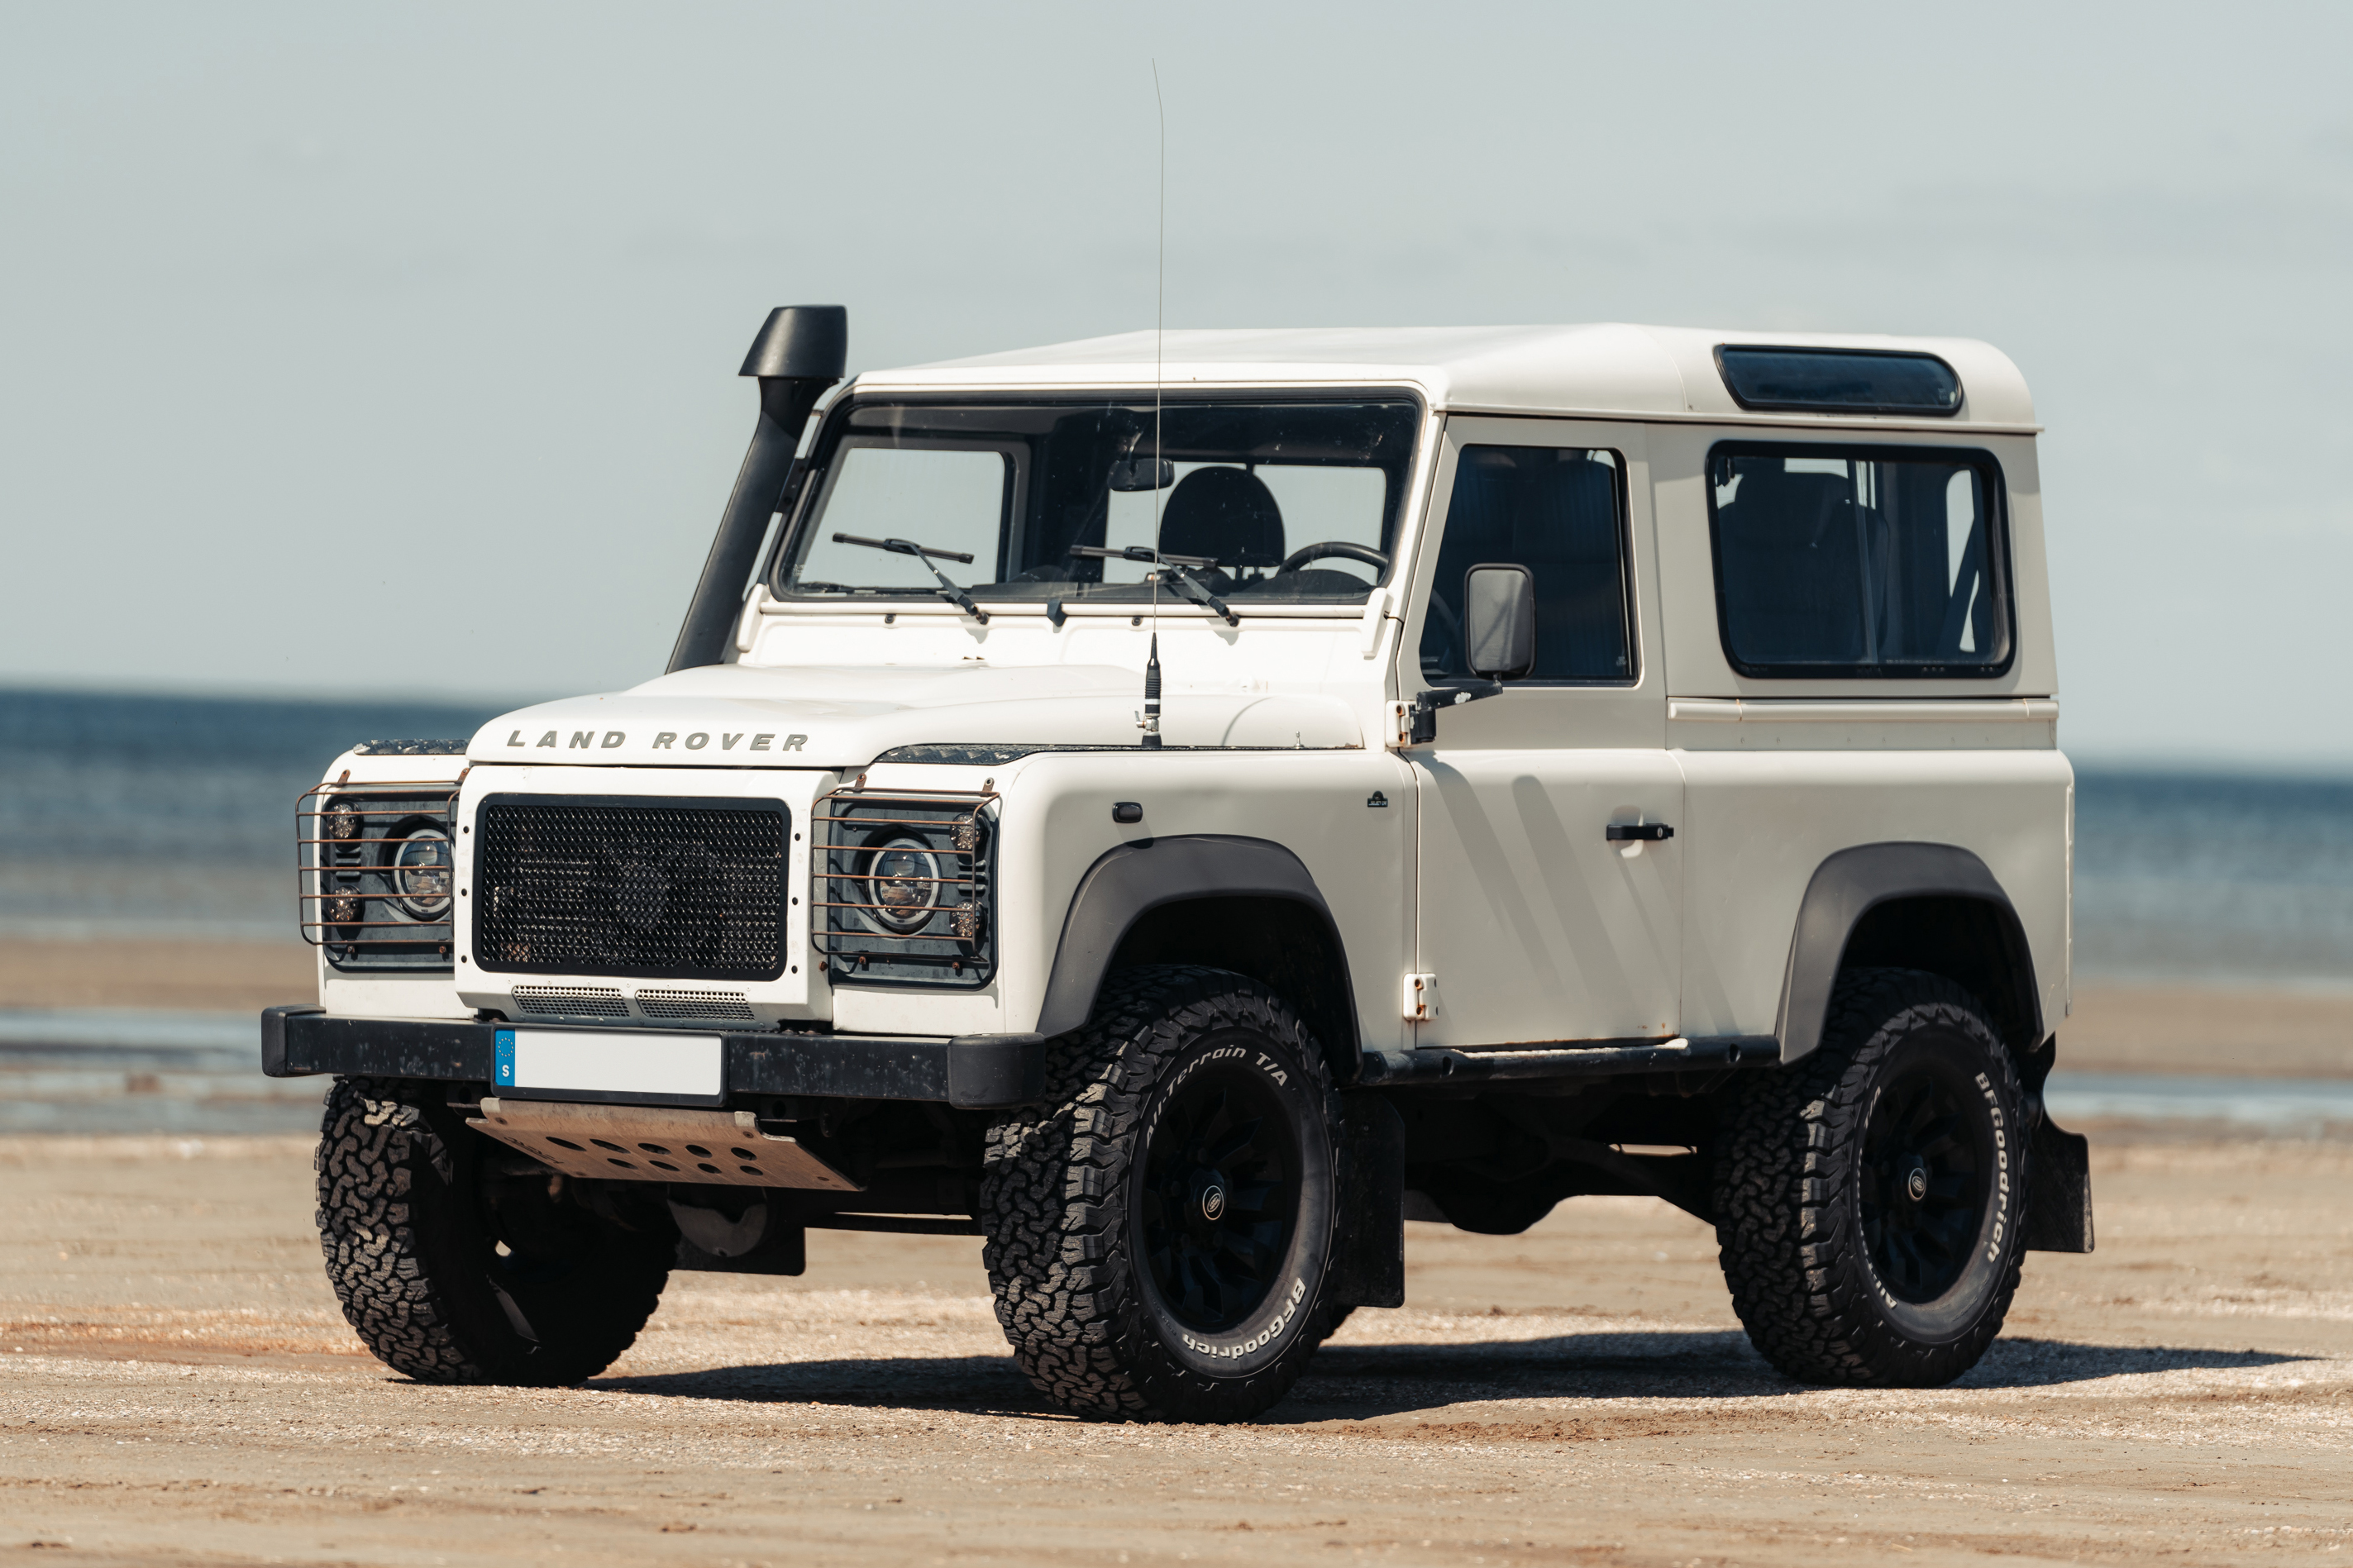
683, 888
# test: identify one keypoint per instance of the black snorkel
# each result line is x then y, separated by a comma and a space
799, 355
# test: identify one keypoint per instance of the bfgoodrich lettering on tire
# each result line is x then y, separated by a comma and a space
1869, 1198
1158, 1239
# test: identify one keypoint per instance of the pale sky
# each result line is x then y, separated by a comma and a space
391, 350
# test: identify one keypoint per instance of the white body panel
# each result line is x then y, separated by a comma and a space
1487, 869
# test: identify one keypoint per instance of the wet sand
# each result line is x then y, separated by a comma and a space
179, 1387
173, 973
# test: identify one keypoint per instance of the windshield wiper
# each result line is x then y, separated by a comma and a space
948, 588
1180, 567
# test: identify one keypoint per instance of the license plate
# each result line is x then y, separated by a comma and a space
611, 1061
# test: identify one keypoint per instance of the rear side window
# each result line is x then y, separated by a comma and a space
1846, 561
1561, 513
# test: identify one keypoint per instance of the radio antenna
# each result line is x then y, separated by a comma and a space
1159, 307
1151, 722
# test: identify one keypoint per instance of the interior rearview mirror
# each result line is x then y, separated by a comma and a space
1143, 474
1499, 621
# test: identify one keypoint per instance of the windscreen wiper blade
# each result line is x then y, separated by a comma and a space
948, 589
1180, 568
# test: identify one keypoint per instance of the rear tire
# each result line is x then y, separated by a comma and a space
450, 1276
1159, 1237
1869, 1198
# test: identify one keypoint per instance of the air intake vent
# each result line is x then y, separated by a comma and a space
571, 1001
687, 890
693, 1005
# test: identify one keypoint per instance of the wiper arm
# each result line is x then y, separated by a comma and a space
948, 588
1181, 569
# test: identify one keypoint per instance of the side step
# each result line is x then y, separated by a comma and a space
655, 1143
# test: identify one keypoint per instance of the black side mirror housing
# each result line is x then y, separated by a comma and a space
1499, 621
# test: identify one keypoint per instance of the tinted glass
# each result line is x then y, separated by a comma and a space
1871, 560
1292, 500
1840, 378
1561, 513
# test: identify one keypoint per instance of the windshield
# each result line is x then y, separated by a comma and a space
1285, 502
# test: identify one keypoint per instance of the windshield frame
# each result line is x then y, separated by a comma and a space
811, 472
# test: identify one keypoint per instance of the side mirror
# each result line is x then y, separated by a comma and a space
1499, 620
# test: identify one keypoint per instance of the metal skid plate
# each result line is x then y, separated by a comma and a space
652, 1143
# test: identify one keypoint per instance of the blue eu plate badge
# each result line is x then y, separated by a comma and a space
506, 1059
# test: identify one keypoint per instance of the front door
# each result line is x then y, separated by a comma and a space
1538, 925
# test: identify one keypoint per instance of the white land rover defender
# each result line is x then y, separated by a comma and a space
1178, 811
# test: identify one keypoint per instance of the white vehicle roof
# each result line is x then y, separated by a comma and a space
1608, 369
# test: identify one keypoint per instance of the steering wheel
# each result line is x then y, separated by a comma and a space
1330, 547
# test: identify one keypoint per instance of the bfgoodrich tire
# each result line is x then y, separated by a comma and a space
452, 1274
1158, 1239
1869, 1198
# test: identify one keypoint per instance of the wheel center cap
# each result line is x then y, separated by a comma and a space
1916, 1184
1205, 1199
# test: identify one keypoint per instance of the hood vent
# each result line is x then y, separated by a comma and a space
571, 1001
693, 1005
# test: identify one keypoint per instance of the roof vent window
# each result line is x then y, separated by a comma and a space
1844, 380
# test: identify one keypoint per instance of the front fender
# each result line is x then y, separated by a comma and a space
1130, 880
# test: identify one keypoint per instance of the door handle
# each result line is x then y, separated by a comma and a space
1645, 832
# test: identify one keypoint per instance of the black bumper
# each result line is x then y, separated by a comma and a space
974, 1072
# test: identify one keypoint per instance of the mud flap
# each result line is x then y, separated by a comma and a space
1368, 1263
2058, 1167
2058, 1190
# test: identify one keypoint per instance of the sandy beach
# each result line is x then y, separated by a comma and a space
180, 1387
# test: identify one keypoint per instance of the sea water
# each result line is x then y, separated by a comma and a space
149, 815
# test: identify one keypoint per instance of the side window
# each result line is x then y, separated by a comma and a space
1561, 513
1859, 561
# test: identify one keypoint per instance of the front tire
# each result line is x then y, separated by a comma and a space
450, 1274
1868, 1198
1159, 1237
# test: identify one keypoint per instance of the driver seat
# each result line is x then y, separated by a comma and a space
1226, 514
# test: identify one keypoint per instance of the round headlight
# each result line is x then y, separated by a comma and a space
420, 875
903, 885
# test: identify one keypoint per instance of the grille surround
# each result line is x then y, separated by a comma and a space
656, 886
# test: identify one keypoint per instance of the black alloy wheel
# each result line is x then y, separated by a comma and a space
1925, 1178
1869, 1198
1160, 1233
1217, 1196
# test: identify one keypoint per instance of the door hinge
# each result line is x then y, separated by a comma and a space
1421, 997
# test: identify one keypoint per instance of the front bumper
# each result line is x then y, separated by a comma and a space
972, 1072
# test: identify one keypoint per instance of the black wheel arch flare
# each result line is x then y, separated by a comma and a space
1935, 907
1117, 896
